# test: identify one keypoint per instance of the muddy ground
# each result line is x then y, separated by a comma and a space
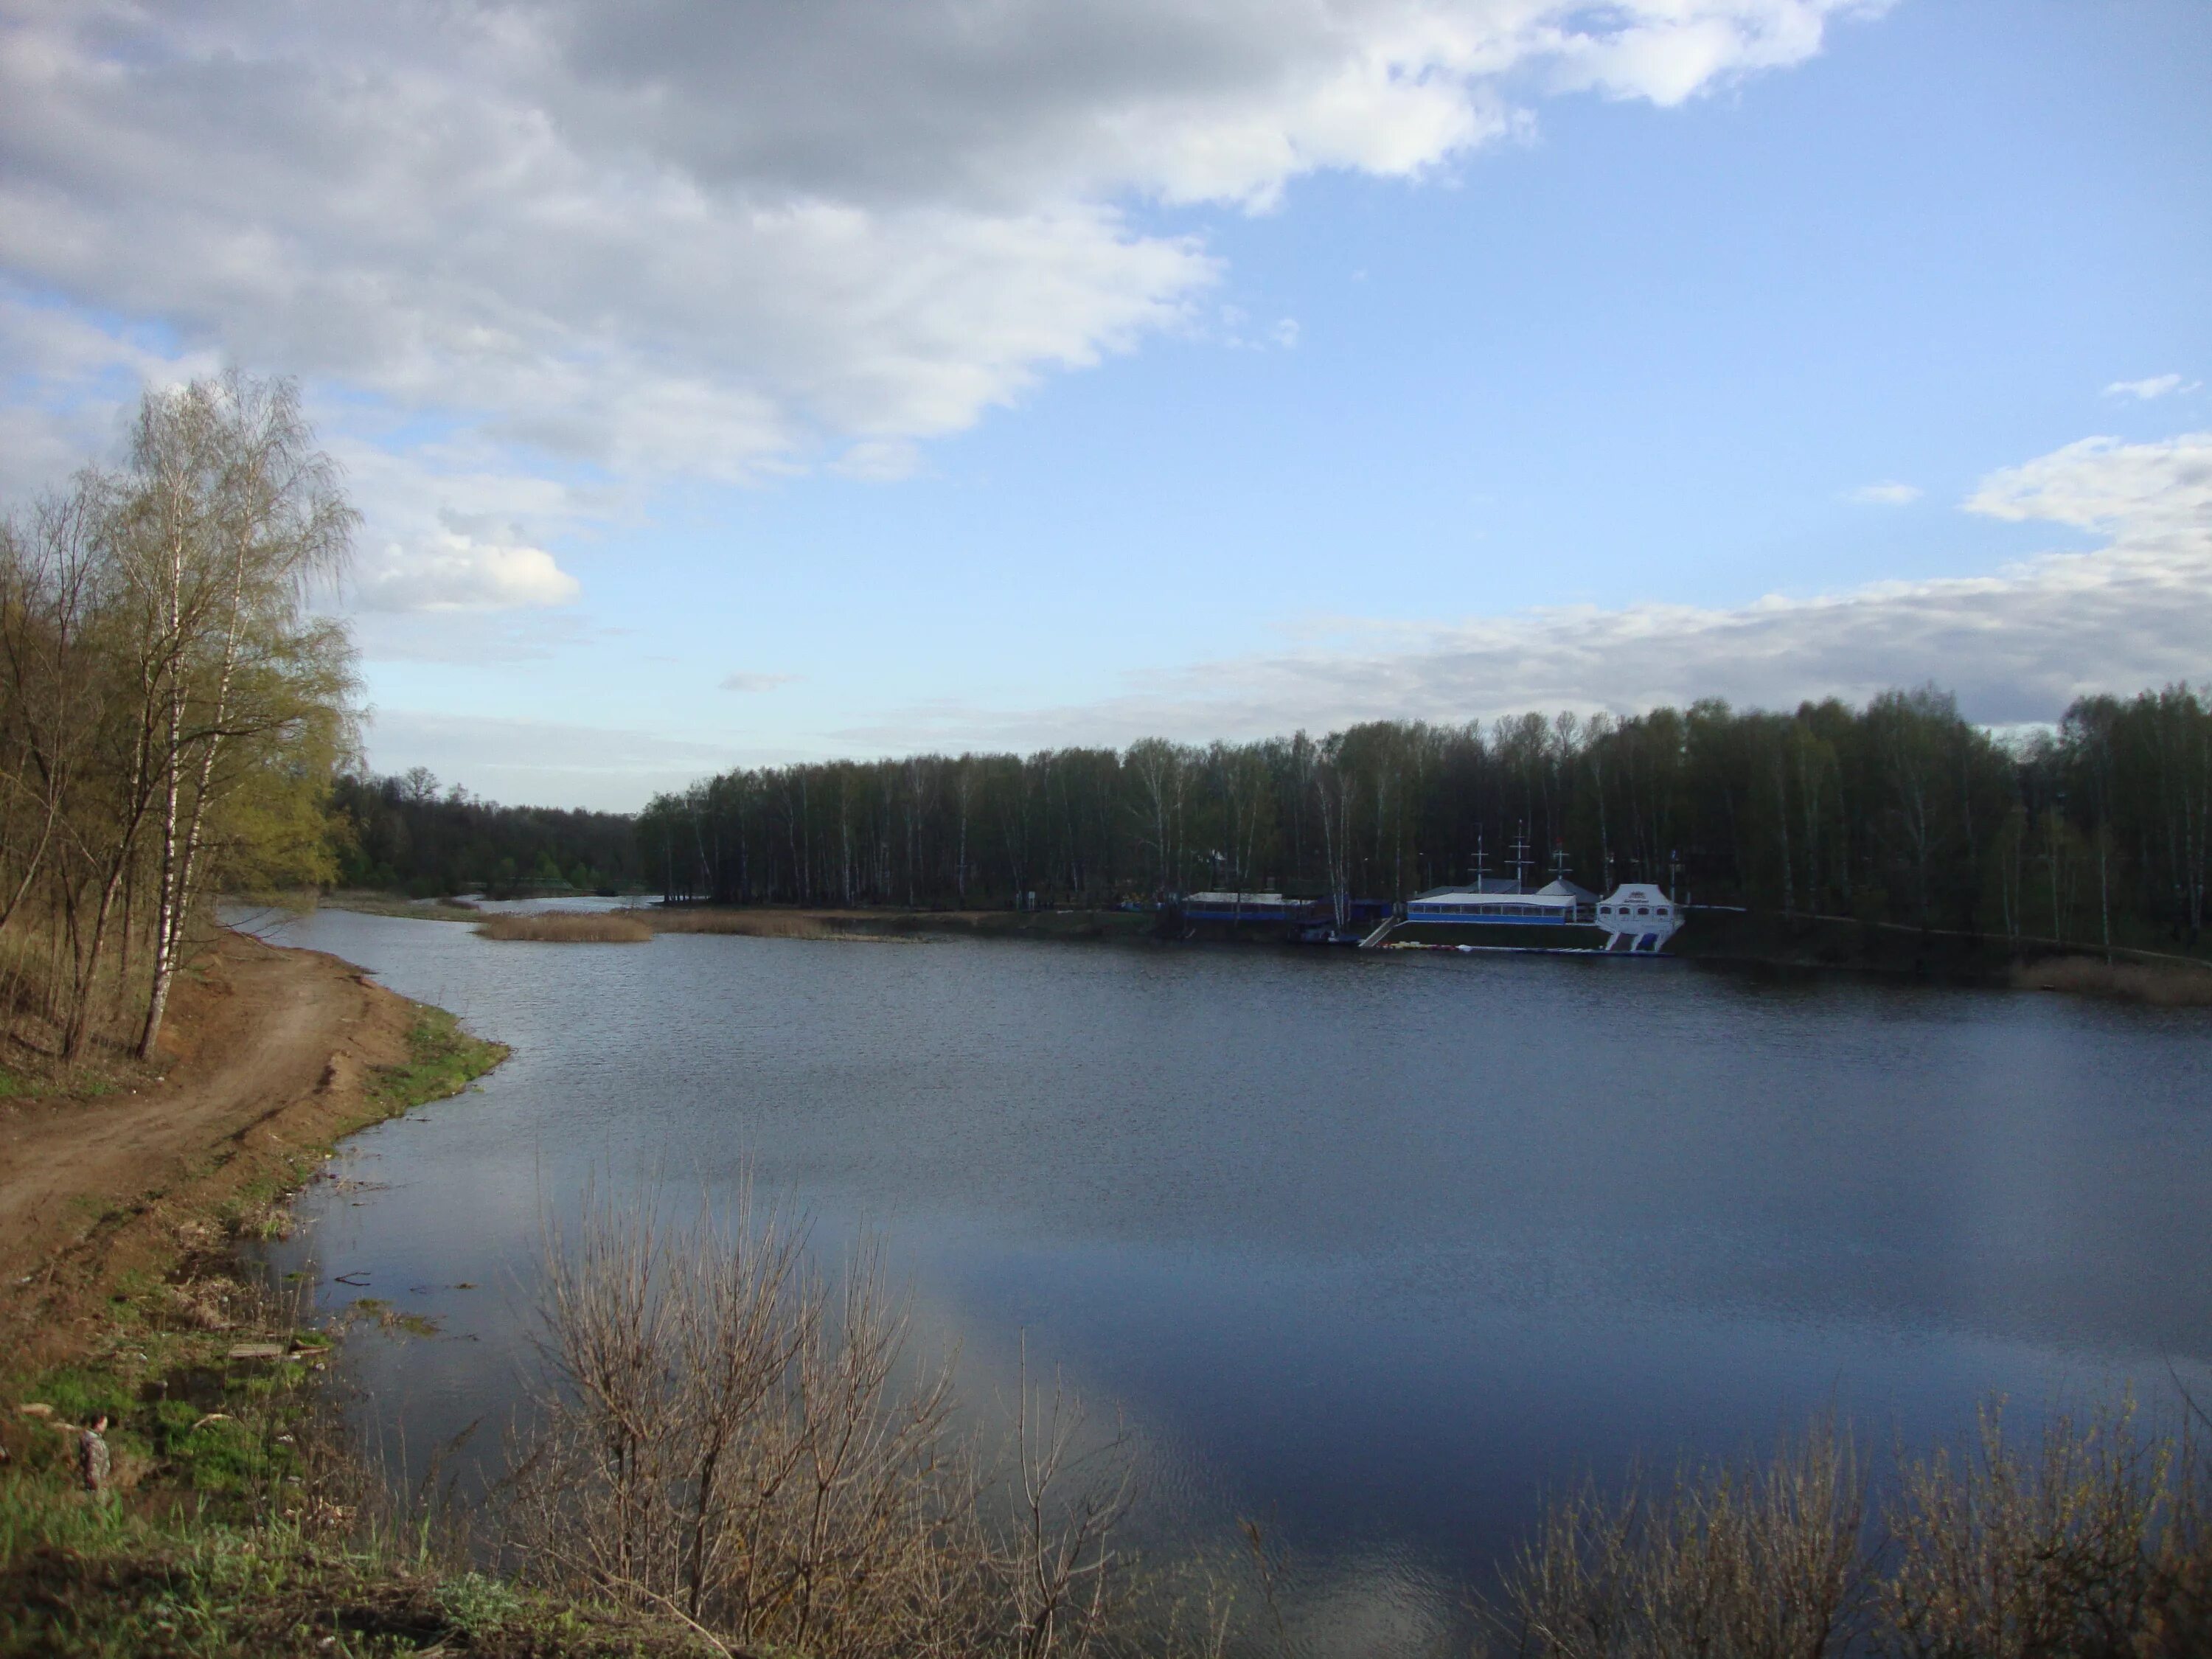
269, 1056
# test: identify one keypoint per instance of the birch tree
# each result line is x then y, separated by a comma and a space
234, 516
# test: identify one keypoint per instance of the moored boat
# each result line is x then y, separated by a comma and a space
1636, 919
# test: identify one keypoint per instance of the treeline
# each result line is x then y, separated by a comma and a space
171, 711
1899, 811
401, 835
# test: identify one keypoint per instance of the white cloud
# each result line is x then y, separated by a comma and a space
1891, 494
2102, 484
456, 572
2157, 386
745, 682
716, 241
2016, 646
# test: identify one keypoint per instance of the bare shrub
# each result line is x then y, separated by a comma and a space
727, 1435
566, 928
1730, 1564
2082, 1547
2159, 985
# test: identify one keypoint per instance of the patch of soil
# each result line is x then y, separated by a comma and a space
266, 1055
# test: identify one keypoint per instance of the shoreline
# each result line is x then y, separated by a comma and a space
236, 1518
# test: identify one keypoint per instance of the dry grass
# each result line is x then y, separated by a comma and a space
568, 927
751, 924
2092, 1543
2159, 985
1760, 1564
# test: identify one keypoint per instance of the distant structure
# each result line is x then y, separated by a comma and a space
1491, 901
1637, 917
1249, 906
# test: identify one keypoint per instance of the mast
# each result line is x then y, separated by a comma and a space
1519, 861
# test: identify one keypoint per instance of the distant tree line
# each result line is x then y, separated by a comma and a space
170, 710
402, 833
1899, 811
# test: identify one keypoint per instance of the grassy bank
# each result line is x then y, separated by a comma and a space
234, 1522
372, 902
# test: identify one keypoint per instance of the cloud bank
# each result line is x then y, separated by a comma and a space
583, 244
2017, 646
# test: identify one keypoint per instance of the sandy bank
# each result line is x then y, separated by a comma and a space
270, 1056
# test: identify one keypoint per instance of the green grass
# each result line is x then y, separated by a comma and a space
442, 1060
103, 1580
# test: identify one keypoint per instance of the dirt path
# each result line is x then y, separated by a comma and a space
268, 1052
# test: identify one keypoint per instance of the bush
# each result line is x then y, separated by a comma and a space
727, 1435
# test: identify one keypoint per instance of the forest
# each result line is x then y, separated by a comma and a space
402, 835
1899, 811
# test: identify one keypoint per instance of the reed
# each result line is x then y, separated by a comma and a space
2157, 984
566, 928
752, 924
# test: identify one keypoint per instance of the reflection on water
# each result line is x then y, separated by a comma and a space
1379, 1248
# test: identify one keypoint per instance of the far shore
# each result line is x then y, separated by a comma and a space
1716, 937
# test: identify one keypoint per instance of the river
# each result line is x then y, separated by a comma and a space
1374, 1247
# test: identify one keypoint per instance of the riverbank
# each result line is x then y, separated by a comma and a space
235, 1522
1726, 937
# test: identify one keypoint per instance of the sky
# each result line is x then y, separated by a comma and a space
743, 383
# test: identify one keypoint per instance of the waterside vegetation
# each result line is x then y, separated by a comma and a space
2093, 1541
234, 1519
566, 928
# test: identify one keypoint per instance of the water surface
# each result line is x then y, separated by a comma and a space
1376, 1246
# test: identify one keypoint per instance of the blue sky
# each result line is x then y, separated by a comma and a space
1583, 369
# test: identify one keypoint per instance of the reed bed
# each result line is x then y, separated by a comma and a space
2159, 985
752, 924
568, 927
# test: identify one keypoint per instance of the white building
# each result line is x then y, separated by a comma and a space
1637, 917
1494, 903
